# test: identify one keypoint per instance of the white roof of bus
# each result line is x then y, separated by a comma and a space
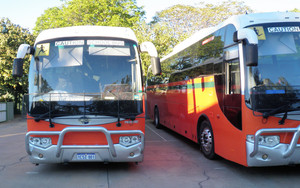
239, 21
87, 31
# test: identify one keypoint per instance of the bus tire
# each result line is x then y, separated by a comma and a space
156, 118
207, 145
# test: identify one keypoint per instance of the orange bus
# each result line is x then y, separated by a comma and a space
234, 89
85, 100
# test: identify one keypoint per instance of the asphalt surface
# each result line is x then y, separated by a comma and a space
170, 161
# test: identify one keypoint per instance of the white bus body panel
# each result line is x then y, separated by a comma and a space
87, 31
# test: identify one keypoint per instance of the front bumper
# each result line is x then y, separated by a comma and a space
281, 154
67, 153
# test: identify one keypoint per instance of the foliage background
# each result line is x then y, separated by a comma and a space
11, 37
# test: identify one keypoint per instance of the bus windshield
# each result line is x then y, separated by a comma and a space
85, 74
274, 83
83, 66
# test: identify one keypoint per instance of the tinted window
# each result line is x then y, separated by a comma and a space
230, 29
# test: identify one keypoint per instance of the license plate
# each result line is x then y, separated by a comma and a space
86, 156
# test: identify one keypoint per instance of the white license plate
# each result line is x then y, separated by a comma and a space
86, 156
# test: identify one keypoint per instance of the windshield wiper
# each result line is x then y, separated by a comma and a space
42, 117
281, 122
119, 121
292, 106
276, 111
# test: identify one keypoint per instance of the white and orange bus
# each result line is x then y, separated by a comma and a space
85, 100
234, 89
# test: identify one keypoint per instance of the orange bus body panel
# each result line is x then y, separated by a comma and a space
180, 111
86, 138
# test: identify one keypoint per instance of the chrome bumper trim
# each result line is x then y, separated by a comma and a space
59, 147
292, 145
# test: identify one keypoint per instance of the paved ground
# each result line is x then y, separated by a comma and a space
170, 161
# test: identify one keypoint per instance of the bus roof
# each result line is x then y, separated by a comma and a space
87, 31
239, 21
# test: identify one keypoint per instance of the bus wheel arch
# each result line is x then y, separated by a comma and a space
206, 137
156, 117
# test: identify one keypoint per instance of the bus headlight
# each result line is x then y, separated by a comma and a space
40, 141
129, 140
270, 141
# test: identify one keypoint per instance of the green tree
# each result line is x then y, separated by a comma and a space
295, 10
11, 37
123, 13
160, 36
174, 24
212, 15
183, 20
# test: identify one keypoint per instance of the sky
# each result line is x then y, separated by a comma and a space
26, 12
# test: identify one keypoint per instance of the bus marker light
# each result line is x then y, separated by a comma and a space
264, 156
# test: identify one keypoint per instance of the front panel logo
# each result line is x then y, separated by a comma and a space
84, 120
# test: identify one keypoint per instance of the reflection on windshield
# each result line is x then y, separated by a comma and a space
276, 79
86, 76
72, 66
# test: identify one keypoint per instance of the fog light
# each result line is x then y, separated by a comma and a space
125, 140
41, 155
40, 141
264, 156
129, 140
268, 140
131, 154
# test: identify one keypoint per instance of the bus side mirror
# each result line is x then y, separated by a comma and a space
251, 53
18, 62
18, 67
250, 40
155, 61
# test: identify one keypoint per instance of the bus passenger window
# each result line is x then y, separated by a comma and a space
232, 98
233, 83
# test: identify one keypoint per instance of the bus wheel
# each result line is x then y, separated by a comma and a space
207, 140
156, 118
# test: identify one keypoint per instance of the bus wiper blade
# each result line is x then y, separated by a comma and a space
281, 122
275, 111
42, 117
292, 106
119, 122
